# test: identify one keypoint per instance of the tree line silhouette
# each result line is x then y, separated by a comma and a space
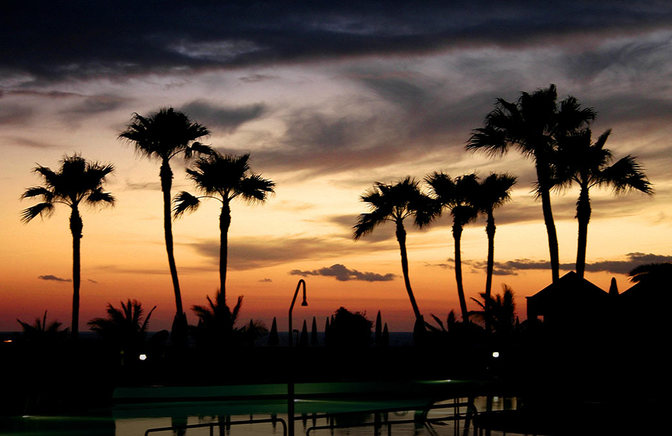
554, 134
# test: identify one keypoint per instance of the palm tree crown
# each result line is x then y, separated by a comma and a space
76, 182
224, 178
589, 164
395, 203
165, 134
533, 124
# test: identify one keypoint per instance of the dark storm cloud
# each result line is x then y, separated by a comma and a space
420, 120
225, 118
343, 274
55, 40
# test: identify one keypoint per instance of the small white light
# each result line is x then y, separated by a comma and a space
495, 354
143, 356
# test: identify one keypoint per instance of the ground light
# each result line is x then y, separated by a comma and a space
495, 354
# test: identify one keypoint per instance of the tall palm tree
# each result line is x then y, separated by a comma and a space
533, 124
164, 135
76, 182
493, 191
589, 164
457, 195
395, 203
224, 178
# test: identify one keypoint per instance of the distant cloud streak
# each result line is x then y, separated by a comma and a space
512, 267
53, 278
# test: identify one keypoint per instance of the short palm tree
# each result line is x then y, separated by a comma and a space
164, 135
493, 191
124, 328
224, 178
395, 203
77, 182
498, 311
216, 322
651, 273
589, 164
533, 124
42, 333
458, 195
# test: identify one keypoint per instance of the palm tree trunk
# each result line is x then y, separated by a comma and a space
224, 223
583, 211
457, 235
76, 227
166, 175
545, 194
490, 231
401, 238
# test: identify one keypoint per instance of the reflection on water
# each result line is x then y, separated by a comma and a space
441, 418
313, 418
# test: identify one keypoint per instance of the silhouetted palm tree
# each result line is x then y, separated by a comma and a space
164, 135
41, 333
652, 273
224, 178
216, 322
533, 125
124, 328
457, 195
493, 191
498, 311
395, 203
589, 164
76, 182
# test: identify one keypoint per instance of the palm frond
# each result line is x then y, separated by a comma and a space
39, 209
37, 191
256, 188
625, 175
184, 202
98, 197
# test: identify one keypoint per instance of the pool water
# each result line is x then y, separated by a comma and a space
313, 417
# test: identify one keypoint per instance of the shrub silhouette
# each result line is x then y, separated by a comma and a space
348, 330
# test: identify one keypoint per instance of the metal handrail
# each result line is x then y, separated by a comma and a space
212, 425
454, 417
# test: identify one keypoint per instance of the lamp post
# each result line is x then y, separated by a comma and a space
290, 384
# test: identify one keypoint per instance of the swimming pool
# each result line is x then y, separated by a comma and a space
320, 409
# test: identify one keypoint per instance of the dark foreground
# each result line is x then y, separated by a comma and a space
613, 385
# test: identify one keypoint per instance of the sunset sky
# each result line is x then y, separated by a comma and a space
328, 99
